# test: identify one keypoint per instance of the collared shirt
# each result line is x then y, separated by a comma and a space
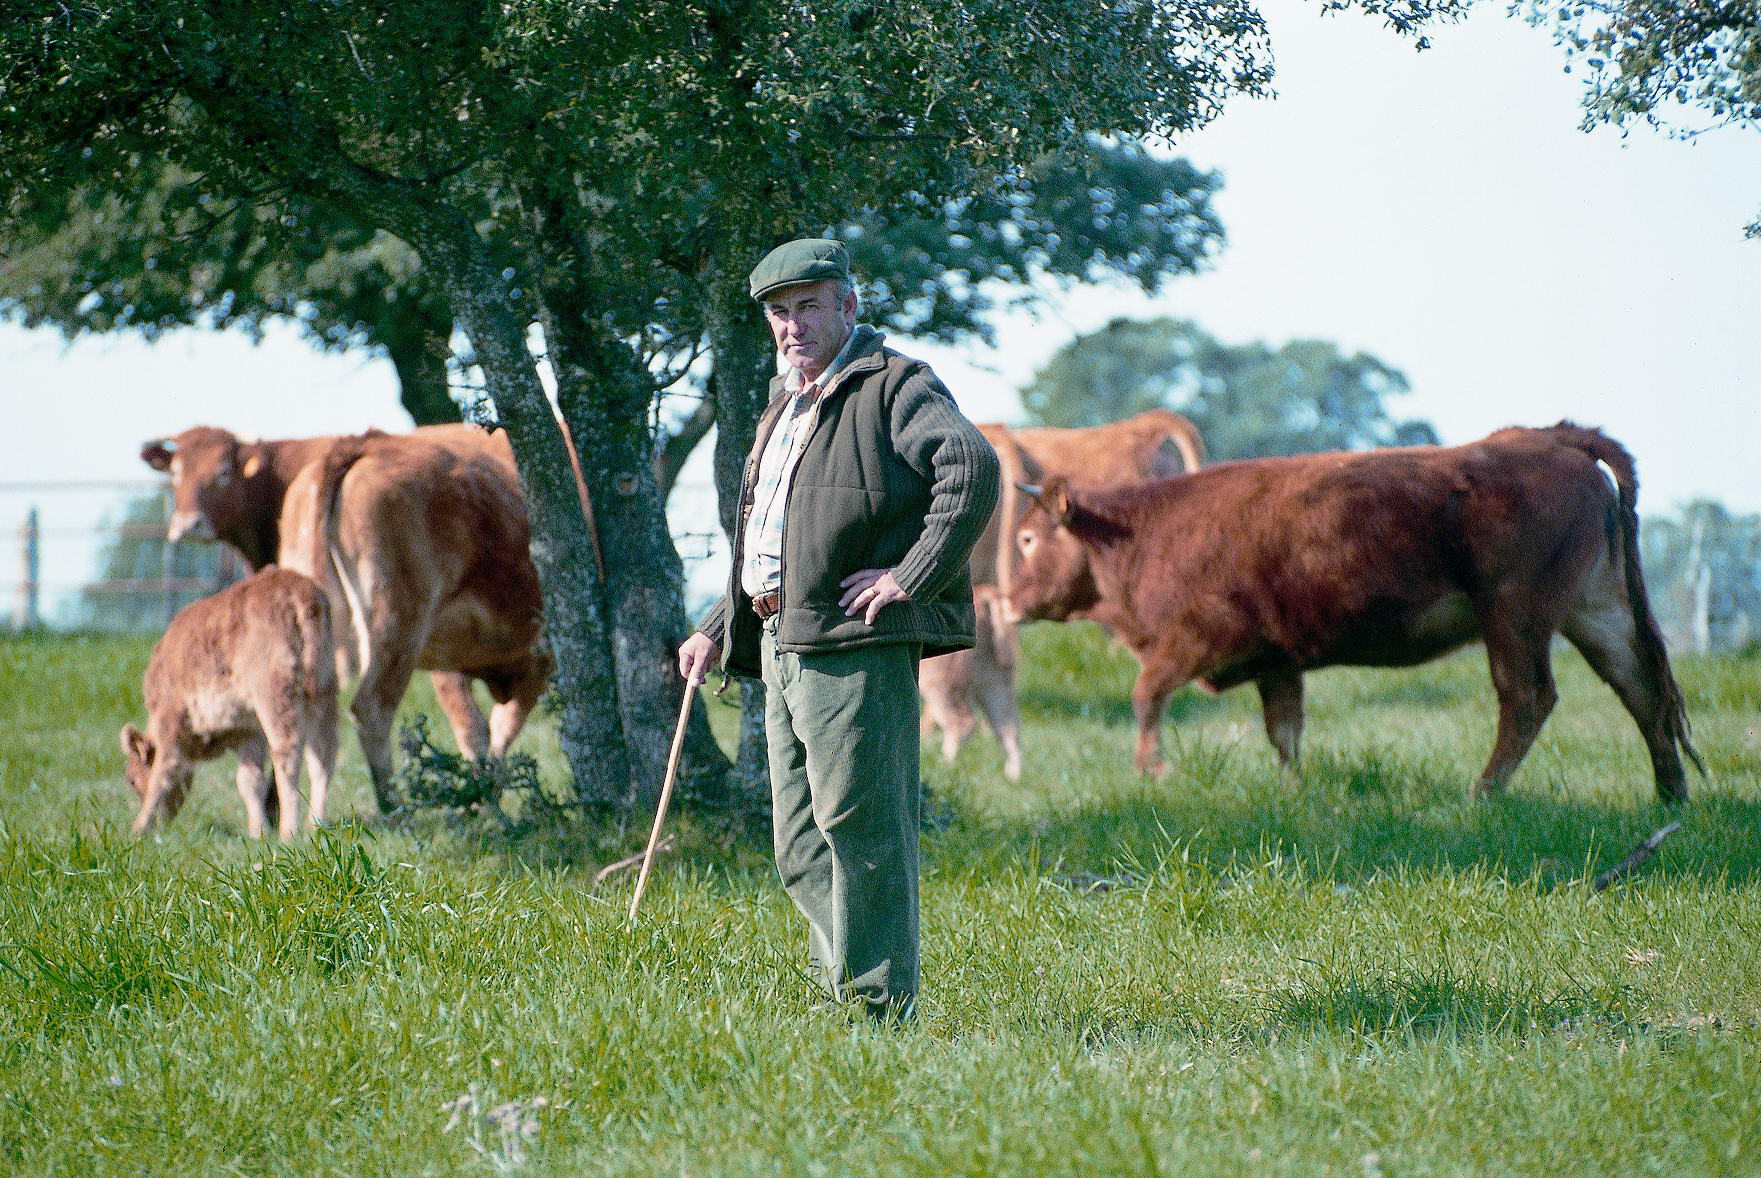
761, 570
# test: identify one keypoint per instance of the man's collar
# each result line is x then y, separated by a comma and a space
858, 345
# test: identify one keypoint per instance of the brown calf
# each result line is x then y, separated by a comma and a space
423, 551
250, 669
227, 488
1147, 446
1261, 570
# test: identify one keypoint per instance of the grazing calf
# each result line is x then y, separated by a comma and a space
1150, 445
251, 668
1260, 570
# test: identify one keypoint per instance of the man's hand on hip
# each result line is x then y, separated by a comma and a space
866, 592
697, 655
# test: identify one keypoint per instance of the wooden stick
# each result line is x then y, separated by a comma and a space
1635, 857
666, 795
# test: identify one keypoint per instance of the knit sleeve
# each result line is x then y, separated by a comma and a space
935, 439
714, 625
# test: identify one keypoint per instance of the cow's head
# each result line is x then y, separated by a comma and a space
210, 470
1052, 578
161, 786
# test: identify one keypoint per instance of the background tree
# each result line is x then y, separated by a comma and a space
1683, 66
1703, 565
137, 551
1248, 400
164, 253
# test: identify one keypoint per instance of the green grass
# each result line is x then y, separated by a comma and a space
1205, 974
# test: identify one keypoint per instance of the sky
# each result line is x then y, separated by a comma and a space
1441, 210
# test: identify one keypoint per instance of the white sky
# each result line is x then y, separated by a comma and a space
1441, 210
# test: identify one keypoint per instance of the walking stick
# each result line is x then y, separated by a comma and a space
666, 795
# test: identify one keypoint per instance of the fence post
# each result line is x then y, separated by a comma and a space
30, 535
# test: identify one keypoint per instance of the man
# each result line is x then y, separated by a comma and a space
865, 491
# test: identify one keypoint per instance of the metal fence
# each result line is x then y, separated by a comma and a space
93, 554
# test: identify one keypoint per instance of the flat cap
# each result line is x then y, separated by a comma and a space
806, 259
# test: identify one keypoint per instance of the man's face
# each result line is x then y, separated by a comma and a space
809, 322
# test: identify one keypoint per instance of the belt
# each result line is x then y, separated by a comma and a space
766, 605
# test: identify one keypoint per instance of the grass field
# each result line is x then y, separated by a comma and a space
1207, 974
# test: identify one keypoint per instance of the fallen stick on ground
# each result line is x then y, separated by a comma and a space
611, 869
1636, 857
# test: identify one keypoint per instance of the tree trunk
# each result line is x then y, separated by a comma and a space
744, 362
605, 395
562, 547
417, 337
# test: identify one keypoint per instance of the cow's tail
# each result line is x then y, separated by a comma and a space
1614, 456
326, 556
1186, 439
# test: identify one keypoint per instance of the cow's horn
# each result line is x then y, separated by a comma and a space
169, 445
1030, 489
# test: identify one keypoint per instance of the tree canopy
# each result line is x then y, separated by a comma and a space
1247, 400
1682, 66
166, 253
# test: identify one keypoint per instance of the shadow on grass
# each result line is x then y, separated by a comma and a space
1057, 702
1435, 1002
1353, 831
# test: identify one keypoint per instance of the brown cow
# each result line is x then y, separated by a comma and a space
1263, 569
250, 668
1147, 446
422, 549
228, 488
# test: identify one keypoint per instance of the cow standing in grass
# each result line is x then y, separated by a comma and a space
1257, 571
424, 552
249, 669
231, 489
1149, 445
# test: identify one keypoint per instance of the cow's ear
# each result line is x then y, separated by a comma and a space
136, 744
1055, 498
157, 453
253, 464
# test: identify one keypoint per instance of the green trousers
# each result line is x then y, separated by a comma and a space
846, 802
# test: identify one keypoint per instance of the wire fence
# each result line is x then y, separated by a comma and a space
92, 554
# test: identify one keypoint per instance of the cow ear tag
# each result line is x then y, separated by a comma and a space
252, 465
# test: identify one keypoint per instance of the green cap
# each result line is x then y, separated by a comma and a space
806, 259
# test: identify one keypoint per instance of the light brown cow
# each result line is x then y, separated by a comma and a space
1148, 446
1258, 571
231, 489
423, 550
952, 684
251, 669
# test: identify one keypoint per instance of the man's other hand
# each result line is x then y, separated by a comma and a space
866, 592
697, 654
